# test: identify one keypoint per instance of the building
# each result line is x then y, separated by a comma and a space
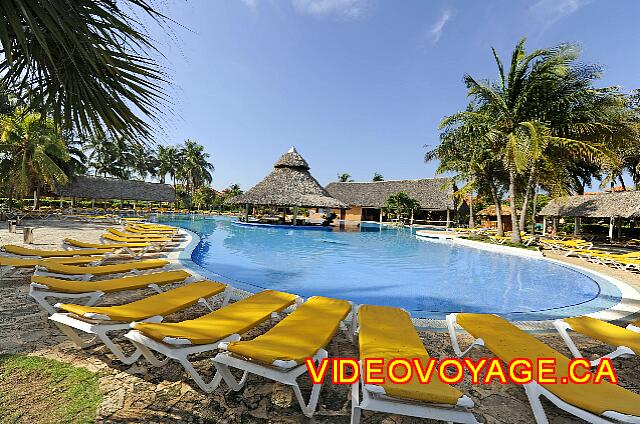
489, 217
366, 200
289, 185
102, 188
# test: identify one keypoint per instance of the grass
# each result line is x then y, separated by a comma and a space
40, 390
508, 243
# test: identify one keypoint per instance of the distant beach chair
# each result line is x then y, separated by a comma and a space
10, 266
626, 340
100, 321
134, 250
280, 353
387, 333
179, 340
42, 253
595, 403
43, 287
73, 272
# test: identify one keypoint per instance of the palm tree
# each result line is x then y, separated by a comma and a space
401, 203
168, 159
377, 177
109, 156
194, 168
31, 148
88, 62
524, 121
344, 178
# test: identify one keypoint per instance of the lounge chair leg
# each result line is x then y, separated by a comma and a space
224, 372
149, 356
536, 405
206, 387
356, 412
115, 349
75, 338
308, 408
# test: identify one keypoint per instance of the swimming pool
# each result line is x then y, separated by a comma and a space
388, 266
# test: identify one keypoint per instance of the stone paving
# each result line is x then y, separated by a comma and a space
142, 393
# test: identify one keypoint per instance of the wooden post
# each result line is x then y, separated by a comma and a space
544, 225
448, 216
381, 215
576, 225
61, 202
412, 217
294, 221
611, 228
93, 203
619, 223
246, 212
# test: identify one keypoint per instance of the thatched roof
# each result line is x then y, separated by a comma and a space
113, 188
491, 211
432, 193
289, 184
605, 205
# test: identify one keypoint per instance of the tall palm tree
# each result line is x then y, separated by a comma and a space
195, 168
524, 121
31, 148
88, 62
168, 159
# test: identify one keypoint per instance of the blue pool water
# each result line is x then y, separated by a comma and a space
390, 267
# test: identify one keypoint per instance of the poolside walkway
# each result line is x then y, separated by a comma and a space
141, 393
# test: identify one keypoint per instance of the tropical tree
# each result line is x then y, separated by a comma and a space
31, 148
377, 177
109, 156
400, 204
540, 118
87, 62
194, 168
344, 178
168, 158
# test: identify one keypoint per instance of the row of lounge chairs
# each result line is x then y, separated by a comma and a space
628, 261
305, 331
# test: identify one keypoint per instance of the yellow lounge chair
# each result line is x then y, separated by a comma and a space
134, 250
179, 340
626, 341
388, 333
99, 321
280, 353
48, 287
596, 403
153, 244
74, 272
128, 237
42, 253
137, 230
10, 265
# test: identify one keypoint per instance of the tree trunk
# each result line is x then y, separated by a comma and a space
525, 200
515, 227
471, 221
496, 203
535, 206
624, 187
35, 199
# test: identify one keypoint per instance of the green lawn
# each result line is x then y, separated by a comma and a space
39, 390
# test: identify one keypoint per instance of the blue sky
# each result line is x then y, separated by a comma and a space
358, 86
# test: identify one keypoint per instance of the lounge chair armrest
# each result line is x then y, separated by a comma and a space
101, 317
373, 388
465, 402
287, 364
176, 341
619, 417
39, 286
451, 325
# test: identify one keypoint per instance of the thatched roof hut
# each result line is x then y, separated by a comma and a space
432, 193
87, 187
289, 184
605, 205
491, 211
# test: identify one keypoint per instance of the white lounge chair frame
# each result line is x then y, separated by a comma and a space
119, 251
374, 398
100, 325
40, 293
564, 328
285, 372
534, 391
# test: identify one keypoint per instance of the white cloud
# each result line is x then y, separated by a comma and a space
349, 9
436, 29
549, 12
251, 4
